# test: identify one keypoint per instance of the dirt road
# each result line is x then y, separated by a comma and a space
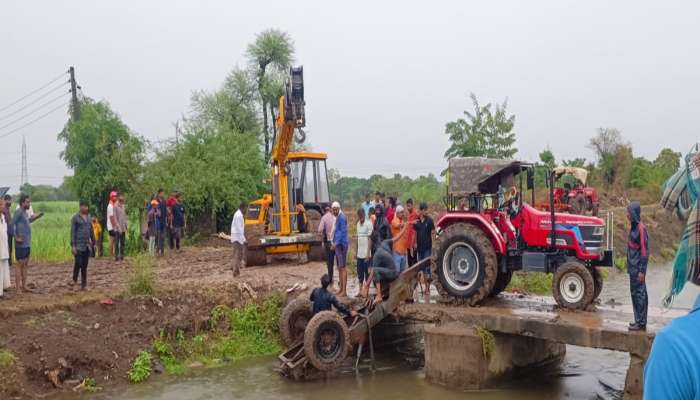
199, 268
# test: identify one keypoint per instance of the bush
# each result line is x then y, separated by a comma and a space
141, 278
532, 282
141, 369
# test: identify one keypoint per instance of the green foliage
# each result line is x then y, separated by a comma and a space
50, 193
614, 155
621, 263
141, 368
547, 159
103, 152
141, 276
269, 57
236, 333
351, 191
531, 282
7, 359
488, 341
578, 162
645, 173
483, 133
89, 385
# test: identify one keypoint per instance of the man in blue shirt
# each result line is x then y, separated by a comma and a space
340, 246
673, 368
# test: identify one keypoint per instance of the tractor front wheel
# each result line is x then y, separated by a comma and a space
502, 281
573, 286
326, 340
466, 263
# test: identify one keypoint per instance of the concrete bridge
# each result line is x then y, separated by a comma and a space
524, 327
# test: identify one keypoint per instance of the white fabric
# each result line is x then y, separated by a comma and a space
335, 205
4, 275
4, 249
238, 228
110, 214
364, 231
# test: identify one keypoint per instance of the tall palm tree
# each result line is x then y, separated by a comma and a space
271, 53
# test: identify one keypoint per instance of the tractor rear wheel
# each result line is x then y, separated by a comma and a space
255, 256
294, 319
502, 281
466, 263
326, 340
573, 286
578, 204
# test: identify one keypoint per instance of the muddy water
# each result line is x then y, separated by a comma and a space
585, 373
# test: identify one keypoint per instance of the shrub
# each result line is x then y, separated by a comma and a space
141, 369
141, 278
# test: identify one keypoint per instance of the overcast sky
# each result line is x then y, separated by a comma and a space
382, 78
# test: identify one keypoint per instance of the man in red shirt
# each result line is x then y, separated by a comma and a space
411, 233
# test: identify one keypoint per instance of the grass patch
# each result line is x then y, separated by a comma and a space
488, 341
237, 333
89, 385
621, 263
51, 233
531, 282
141, 369
141, 277
7, 359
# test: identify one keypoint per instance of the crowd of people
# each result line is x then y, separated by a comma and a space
389, 238
166, 219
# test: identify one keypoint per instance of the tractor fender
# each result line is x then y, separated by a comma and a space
485, 224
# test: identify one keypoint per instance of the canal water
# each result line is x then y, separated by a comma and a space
584, 374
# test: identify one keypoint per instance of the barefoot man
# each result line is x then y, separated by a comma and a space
384, 269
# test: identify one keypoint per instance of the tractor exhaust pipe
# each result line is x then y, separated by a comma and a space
553, 234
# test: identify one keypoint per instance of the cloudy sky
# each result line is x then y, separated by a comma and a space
382, 77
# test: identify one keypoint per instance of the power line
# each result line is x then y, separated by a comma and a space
33, 121
34, 110
34, 91
24, 107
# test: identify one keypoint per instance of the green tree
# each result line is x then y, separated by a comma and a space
547, 158
270, 55
578, 162
614, 155
103, 152
485, 132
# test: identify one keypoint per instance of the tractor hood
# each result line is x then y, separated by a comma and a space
468, 175
581, 174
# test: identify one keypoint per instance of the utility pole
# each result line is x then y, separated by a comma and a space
25, 175
75, 106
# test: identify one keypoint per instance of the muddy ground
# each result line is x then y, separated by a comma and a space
60, 331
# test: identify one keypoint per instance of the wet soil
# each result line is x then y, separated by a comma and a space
59, 335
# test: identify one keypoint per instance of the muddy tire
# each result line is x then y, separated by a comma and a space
326, 341
294, 319
465, 263
578, 204
314, 220
502, 281
597, 281
256, 256
573, 286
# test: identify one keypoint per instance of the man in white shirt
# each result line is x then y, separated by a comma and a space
112, 223
364, 232
238, 238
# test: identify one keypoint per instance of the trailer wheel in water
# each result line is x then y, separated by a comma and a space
326, 340
294, 319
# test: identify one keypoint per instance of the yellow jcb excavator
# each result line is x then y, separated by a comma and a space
272, 223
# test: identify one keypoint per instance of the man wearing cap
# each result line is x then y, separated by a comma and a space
340, 246
112, 223
325, 229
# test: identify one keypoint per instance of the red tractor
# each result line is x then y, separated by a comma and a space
571, 193
479, 246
